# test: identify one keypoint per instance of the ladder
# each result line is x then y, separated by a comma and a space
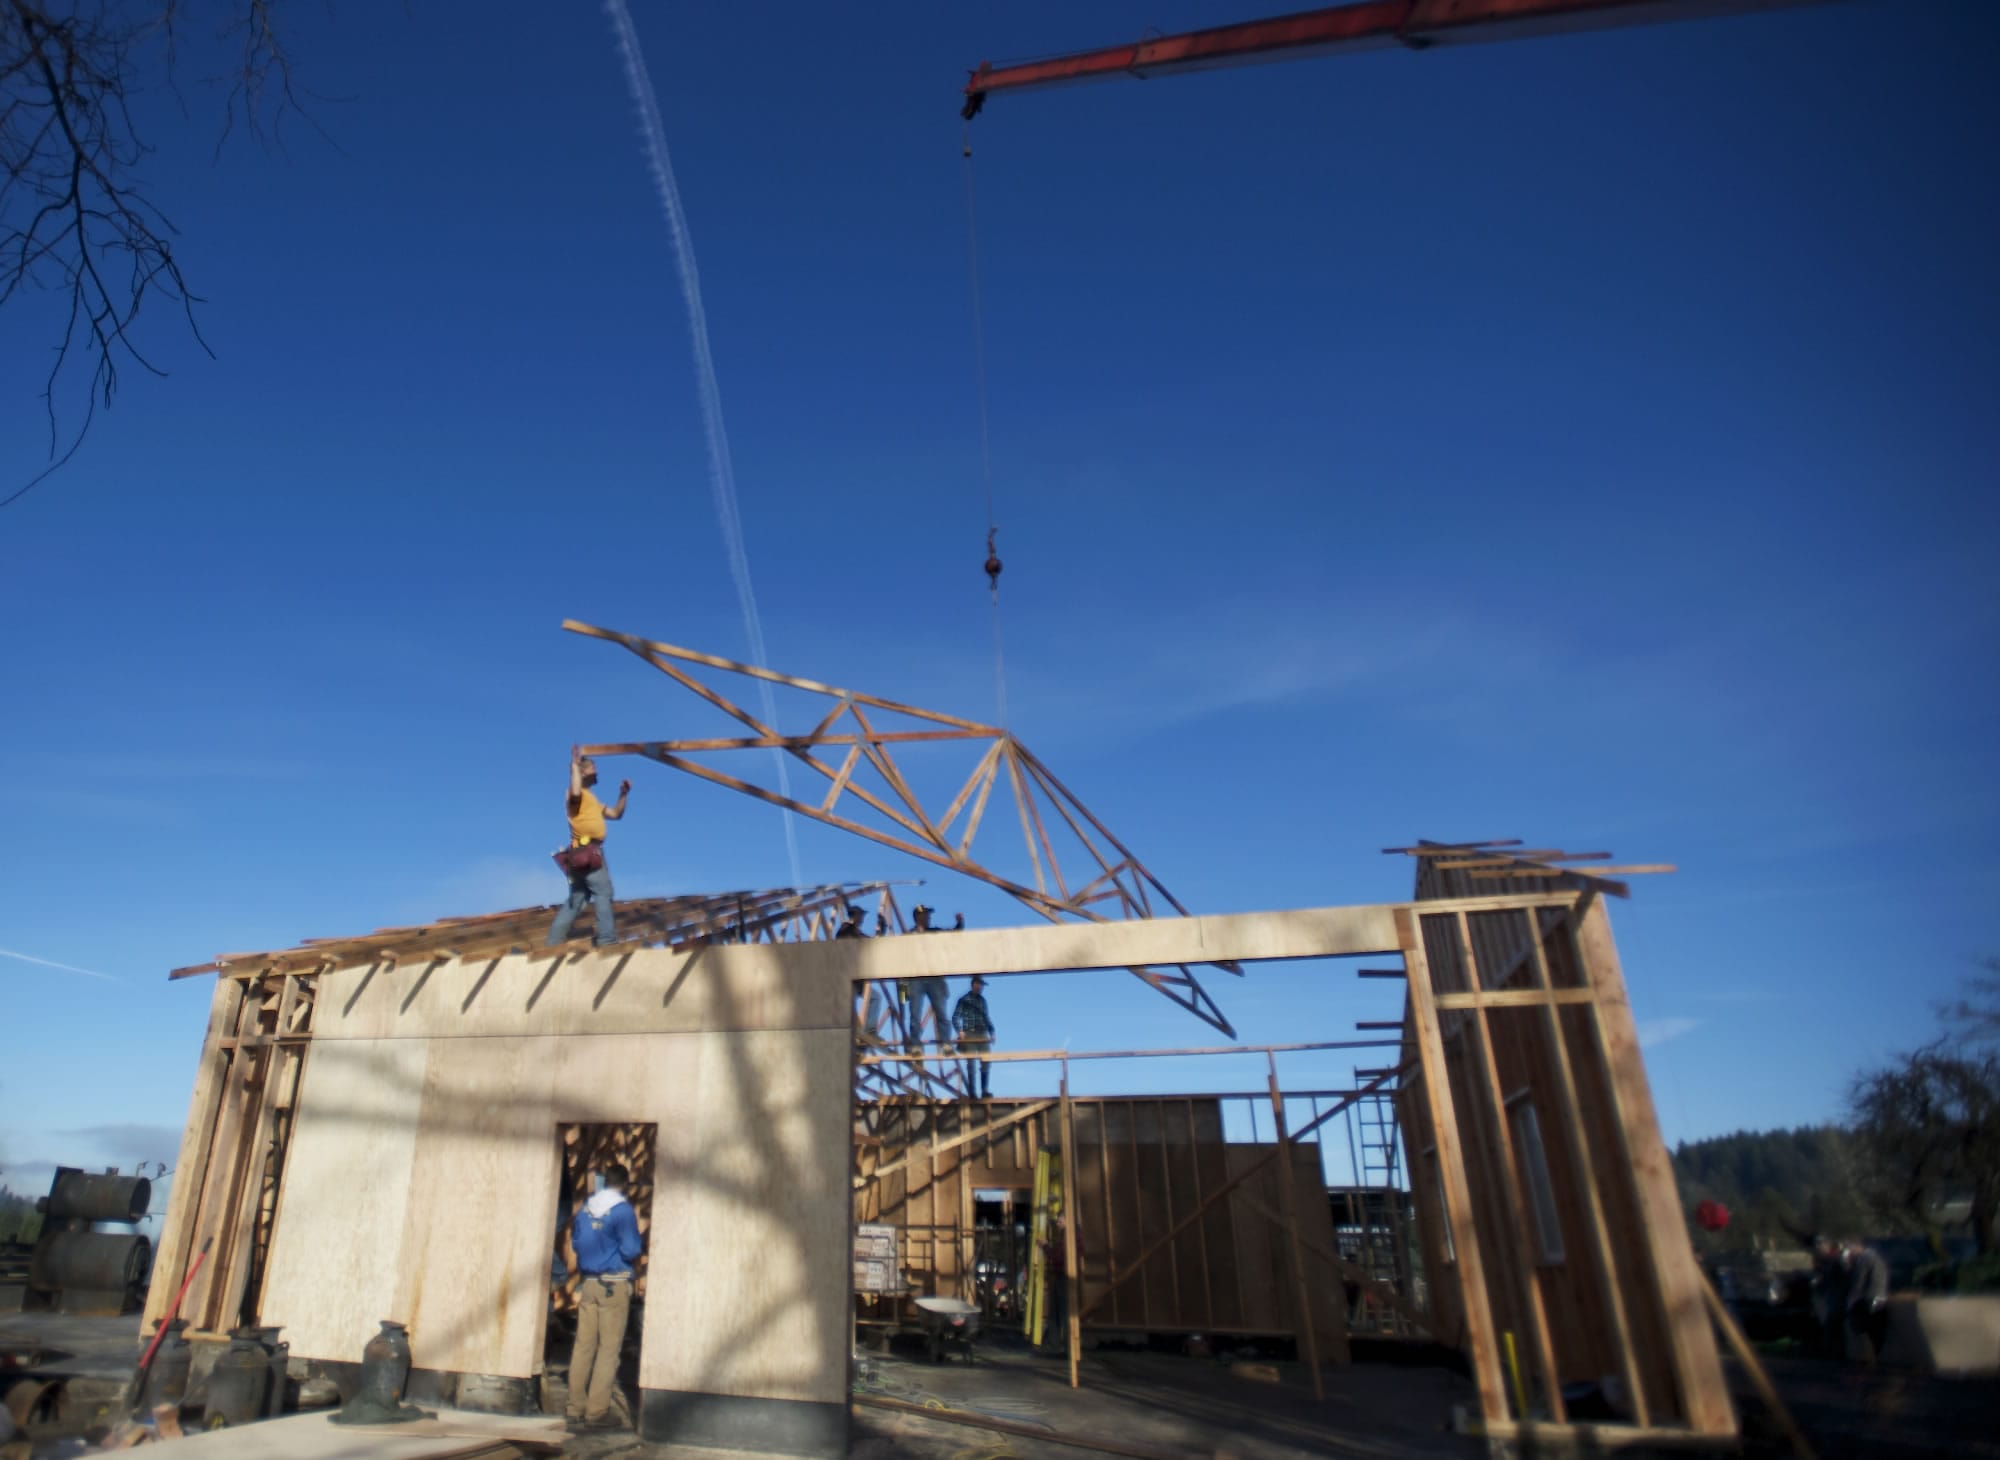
1380, 1211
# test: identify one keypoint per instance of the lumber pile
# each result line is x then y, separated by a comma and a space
454, 1434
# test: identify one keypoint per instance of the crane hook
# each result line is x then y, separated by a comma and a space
992, 560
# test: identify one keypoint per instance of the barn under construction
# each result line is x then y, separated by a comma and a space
356, 1097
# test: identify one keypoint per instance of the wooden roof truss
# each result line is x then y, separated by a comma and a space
859, 734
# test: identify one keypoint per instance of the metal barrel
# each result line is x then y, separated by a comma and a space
102, 1260
99, 1198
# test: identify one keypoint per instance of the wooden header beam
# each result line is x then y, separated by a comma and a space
1320, 932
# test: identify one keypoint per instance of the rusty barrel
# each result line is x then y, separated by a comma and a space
103, 1198
108, 1261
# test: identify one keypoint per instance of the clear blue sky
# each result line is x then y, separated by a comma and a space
1588, 440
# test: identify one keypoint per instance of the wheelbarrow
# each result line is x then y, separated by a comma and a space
948, 1321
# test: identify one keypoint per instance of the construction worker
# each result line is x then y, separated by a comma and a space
605, 1235
935, 991
1829, 1296
1867, 1297
870, 1000
583, 860
973, 1025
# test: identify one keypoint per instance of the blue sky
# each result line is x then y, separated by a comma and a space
1587, 440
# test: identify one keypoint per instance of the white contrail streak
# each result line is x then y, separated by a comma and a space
65, 967
721, 474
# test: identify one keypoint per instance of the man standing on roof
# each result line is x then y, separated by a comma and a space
605, 1234
870, 1001
935, 991
974, 1027
583, 860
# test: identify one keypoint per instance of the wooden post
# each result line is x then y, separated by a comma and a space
1110, 1211
1072, 1287
1586, 1169
1474, 1301
1287, 1194
1201, 1222
1664, 1240
177, 1229
1139, 1191
219, 1178
1527, 1251
1167, 1189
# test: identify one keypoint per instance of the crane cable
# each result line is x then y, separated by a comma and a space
992, 565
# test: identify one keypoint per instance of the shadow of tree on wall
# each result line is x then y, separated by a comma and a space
755, 1170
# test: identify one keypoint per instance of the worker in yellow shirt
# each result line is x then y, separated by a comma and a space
583, 859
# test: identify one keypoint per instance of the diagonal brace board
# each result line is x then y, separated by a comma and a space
1116, 877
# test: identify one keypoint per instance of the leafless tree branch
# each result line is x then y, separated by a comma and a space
75, 218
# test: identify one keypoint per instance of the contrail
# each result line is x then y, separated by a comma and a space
721, 474
65, 967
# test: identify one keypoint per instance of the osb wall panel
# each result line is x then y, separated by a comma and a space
333, 1267
428, 1181
651, 990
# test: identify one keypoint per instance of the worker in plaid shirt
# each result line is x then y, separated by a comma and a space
975, 1033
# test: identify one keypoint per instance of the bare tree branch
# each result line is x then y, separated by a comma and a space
75, 218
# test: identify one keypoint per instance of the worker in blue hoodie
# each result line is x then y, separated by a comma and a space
605, 1234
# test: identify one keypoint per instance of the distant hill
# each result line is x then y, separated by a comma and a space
1781, 1187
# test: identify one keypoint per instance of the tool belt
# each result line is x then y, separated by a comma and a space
580, 861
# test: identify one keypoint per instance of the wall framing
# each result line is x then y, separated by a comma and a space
744, 1055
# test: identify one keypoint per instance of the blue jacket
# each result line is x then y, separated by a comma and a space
605, 1234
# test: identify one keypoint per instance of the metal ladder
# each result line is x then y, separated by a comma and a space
1383, 1203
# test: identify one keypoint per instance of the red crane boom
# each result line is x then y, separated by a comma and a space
1358, 25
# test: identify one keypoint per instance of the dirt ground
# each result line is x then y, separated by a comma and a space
1167, 1405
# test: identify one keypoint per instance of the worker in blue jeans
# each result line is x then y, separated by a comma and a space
935, 991
582, 860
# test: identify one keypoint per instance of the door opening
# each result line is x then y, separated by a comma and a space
585, 1153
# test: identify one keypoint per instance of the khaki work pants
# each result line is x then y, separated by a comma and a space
601, 1309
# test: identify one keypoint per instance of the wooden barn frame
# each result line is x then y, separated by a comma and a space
372, 1137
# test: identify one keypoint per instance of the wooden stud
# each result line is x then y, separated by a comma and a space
1586, 1168
177, 1229
1201, 1223
1515, 1203
1167, 1190
225, 1156
1071, 1277
1475, 1303
1286, 1179
1697, 1365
